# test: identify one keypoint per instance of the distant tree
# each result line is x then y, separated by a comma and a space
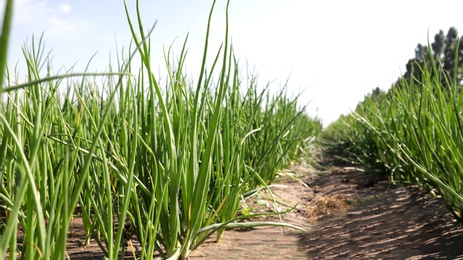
443, 51
377, 95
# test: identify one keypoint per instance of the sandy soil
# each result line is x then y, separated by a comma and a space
346, 213
376, 221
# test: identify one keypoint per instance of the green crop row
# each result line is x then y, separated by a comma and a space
167, 161
413, 133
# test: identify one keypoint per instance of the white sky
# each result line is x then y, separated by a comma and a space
337, 50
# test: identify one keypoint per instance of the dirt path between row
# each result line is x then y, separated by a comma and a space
347, 214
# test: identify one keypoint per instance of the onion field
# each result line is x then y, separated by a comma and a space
167, 159
413, 133
167, 162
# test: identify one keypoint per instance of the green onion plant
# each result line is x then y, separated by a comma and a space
162, 162
414, 133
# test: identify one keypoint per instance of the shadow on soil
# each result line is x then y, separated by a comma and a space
402, 223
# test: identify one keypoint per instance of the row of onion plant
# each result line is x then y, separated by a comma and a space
165, 163
414, 133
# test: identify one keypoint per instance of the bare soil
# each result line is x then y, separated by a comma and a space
346, 214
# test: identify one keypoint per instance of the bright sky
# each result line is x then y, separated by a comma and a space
337, 50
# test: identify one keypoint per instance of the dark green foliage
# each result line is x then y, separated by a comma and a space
444, 51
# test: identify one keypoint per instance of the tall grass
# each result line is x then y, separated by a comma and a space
165, 163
